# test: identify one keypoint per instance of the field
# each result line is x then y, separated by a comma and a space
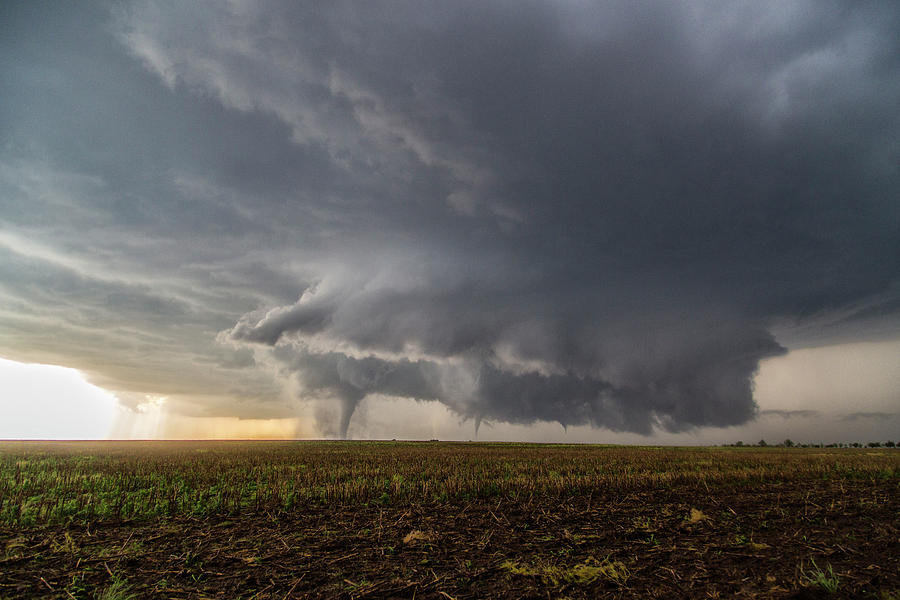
117, 520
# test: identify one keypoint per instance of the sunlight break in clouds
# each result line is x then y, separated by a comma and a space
50, 402
47, 402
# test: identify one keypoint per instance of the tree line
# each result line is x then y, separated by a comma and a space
790, 444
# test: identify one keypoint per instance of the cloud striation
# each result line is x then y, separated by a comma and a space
576, 213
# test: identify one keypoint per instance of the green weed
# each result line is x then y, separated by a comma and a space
117, 590
827, 580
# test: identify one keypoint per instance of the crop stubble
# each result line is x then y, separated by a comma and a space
438, 520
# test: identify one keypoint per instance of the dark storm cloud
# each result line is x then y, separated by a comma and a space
691, 395
531, 364
649, 165
531, 212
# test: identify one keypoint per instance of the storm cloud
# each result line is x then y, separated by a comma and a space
586, 214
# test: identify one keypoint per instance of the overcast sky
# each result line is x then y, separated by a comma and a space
619, 221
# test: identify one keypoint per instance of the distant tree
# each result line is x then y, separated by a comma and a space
889, 444
739, 443
787, 443
874, 444
762, 443
855, 444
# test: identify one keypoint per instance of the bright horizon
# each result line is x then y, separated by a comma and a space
33, 409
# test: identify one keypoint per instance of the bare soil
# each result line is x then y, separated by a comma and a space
731, 541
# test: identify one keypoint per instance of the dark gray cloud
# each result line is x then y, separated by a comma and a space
524, 358
534, 212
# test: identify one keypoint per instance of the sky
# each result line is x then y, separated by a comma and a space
618, 222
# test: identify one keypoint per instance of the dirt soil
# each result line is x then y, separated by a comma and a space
737, 541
